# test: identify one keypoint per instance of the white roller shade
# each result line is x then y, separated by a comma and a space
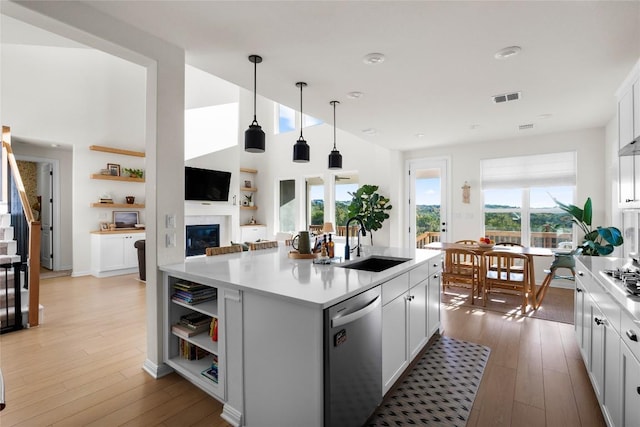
540, 170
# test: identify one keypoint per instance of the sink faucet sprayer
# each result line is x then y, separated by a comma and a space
347, 251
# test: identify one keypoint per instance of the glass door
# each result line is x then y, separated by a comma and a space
427, 212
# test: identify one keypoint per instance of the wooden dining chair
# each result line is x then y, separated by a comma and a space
466, 242
221, 250
509, 273
462, 267
517, 264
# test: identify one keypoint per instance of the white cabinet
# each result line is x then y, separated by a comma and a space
630, 376
597, 325
628, 131
410, 315
252, 233
114, 253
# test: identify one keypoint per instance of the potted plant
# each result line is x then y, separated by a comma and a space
134, 173
370, 206
600, 241
249, 198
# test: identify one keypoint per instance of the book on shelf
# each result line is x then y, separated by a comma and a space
195, 319
191, 351
193, 293
185, 331
213, 329
212, 371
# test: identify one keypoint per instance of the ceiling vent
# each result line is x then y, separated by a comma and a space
527, 126
514, 96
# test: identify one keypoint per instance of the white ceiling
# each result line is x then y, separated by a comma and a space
439, 74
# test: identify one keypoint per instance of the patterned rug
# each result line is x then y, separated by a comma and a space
439, 390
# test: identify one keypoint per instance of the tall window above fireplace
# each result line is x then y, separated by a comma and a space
200, 237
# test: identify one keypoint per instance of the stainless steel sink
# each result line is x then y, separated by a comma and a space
375, 263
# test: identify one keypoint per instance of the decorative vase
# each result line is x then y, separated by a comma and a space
130, 199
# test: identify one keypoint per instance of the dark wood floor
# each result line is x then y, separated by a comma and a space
82, 366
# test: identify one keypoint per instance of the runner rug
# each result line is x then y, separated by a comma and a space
440, 388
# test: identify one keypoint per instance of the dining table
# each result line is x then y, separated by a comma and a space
528, 251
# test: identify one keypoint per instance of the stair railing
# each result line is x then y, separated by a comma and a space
32, 239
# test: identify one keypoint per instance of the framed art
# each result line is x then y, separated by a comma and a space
114, 169
247, 184
104, 226
125, 219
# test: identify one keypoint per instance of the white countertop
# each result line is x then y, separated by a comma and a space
272, 272
596, 264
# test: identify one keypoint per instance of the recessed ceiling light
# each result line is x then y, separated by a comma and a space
55, 145
544, 116
419, 135
507, 52
370, 131
373, 58
355, 95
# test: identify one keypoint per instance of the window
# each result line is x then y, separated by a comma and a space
287, 206
518, 197
315, 201
344, 184
287, 119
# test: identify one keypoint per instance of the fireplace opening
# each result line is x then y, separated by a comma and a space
201, 237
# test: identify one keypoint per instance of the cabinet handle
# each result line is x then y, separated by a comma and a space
632, 335
435, 276
578, 290
600, 321
580, 273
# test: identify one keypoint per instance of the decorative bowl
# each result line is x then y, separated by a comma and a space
485, 245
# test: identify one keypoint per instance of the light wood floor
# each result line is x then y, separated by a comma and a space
82, 366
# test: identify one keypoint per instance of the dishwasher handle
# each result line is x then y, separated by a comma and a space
343, 320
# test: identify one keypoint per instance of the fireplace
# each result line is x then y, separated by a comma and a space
202, 236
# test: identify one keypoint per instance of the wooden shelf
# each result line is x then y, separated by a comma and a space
249, 208
118, 205
116, 151
248, 170
120, 231
249, 189
116, 178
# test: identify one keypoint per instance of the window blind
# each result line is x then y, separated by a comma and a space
540, 170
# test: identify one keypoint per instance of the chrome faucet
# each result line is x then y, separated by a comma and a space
347, 250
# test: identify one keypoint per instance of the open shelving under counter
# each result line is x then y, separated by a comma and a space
180, 349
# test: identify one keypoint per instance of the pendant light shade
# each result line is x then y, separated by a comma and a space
335, 158
254, 136
301, 148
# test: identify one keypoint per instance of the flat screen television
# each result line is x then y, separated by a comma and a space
206, 184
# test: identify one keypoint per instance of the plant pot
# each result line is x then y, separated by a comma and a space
130, 199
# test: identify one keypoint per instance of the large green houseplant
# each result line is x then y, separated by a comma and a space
600, 241
370, 206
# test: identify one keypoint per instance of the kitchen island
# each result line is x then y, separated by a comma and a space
270, 310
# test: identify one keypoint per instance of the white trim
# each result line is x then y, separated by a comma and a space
231, 415
156, 371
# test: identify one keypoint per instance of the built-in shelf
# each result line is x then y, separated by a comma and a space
116, 151
116, 178
249, 208
249, 190
248, 170
118, 205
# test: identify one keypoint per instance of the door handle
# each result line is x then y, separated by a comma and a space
339, 321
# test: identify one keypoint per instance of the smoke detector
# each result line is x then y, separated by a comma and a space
506, 97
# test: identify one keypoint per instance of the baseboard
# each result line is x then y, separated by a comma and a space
156, 371
231, 415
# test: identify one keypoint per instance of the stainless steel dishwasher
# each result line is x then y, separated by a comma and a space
353, 359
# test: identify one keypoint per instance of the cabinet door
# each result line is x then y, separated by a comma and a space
597, 334
112, 252
626, 134
394, 341
252, 234
433, 304
417, 318
630, 387
130, 251
578, 316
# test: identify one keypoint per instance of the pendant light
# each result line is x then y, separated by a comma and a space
254, 136
301, 148
335, 158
